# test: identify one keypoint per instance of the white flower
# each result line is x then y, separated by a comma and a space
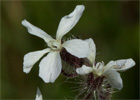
38, 95
109, 70
50, 66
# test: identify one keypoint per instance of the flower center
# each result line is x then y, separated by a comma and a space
55, 45
98, 69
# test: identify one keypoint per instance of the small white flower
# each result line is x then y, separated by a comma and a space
109, 70
50, 66
38, 95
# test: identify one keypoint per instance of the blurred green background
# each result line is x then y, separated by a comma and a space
113, 25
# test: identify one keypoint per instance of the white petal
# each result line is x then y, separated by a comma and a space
38, 95
92, 50
114, 79
121, 65
36, 31
84, 70
31, 58
69, 21
77, 47
50, 67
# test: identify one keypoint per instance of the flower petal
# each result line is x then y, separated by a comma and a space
92, 50
38, 95
77, 47
121, 65
69, 21
114, 79
50, 67
36, 31
84, 70
31, 58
